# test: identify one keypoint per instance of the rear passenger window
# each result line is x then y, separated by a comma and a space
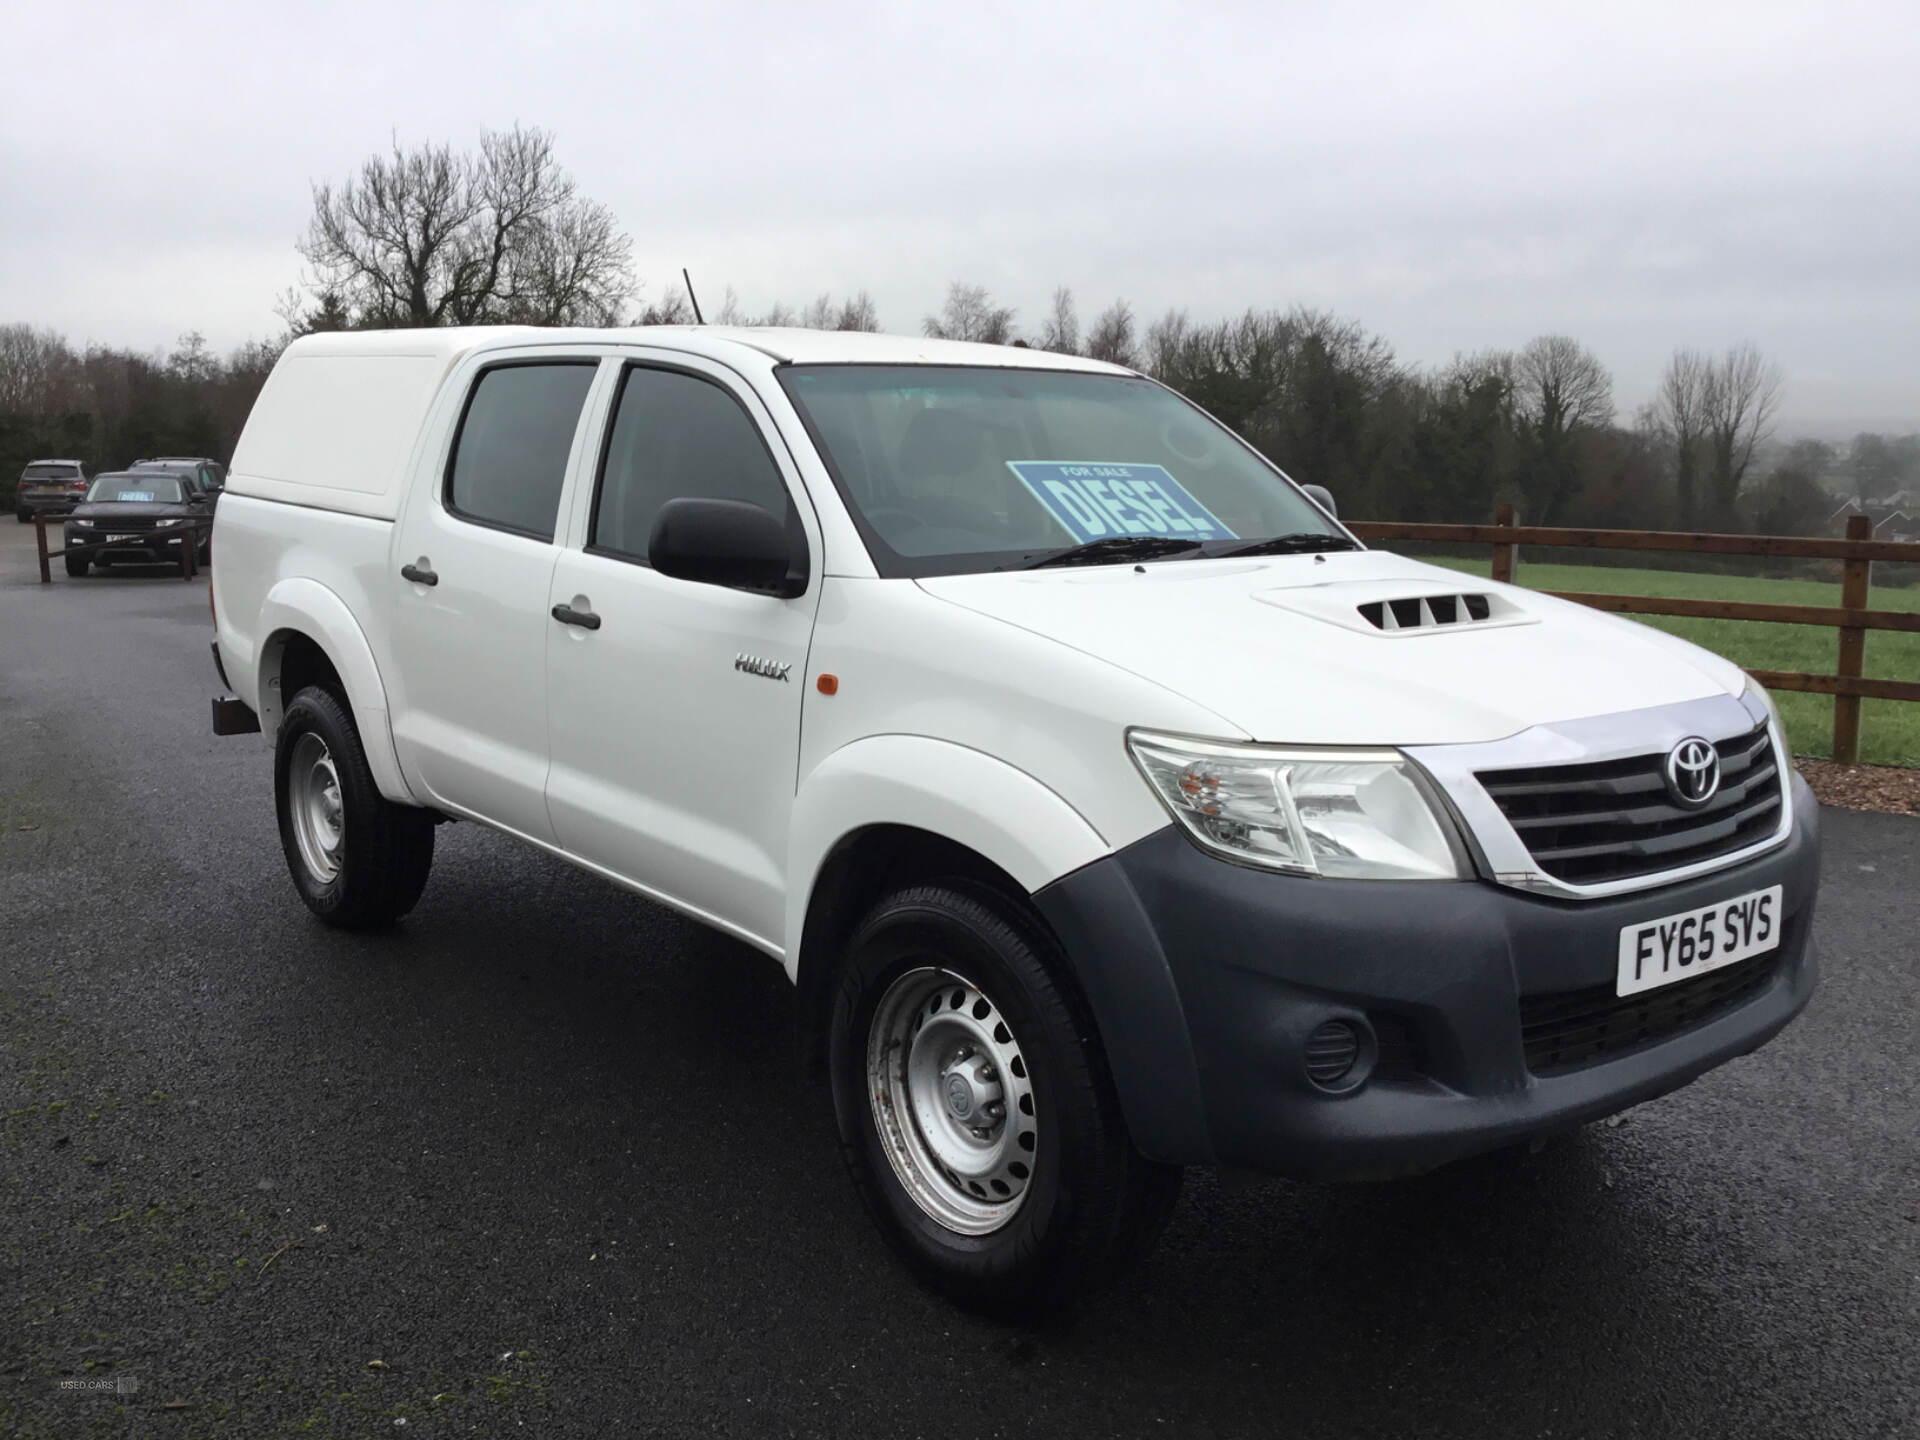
510, 456
676, 436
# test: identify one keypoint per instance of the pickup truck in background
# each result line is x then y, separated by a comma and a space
1112, 809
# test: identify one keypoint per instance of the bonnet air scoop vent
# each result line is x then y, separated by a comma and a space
1401, 609
1423, 612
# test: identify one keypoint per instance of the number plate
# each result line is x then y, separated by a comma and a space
1678, 947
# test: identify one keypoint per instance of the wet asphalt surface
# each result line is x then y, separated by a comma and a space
541, 1161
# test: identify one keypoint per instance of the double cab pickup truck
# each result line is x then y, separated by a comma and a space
1111, 807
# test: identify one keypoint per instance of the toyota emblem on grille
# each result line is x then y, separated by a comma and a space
1693, 772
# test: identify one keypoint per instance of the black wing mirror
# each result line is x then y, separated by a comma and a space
726, 542
1322, 497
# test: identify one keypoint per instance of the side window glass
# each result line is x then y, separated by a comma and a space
676, 436
510, 456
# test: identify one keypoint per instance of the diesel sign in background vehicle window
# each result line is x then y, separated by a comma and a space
1112, 809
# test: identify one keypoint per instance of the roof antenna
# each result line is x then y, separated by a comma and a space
698, 318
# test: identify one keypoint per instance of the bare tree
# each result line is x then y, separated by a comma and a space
192, 361
1679, 414
1060, 331
429, 236
572, 269
1167, 337
672, 308
1559, 383
1560, 390
1738, 400
730, 311
970, 314
38, 371
856, 312
820, 314
1112, 339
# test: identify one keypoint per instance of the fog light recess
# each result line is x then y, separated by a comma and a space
1335, 1054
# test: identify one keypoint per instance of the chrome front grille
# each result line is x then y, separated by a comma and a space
1590, 824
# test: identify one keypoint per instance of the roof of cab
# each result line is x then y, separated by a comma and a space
335, 424
800, 347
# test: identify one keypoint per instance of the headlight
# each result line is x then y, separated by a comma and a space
83, 524
1349, 814
167, 524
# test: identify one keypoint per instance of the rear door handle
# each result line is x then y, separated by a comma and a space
585, 619
419, 575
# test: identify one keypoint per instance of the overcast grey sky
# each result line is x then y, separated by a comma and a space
1454, 176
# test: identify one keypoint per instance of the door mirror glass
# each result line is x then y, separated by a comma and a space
724, 542
1322, 497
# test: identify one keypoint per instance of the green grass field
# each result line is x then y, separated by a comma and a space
1889, 729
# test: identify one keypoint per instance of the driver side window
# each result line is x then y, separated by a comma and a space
676, 436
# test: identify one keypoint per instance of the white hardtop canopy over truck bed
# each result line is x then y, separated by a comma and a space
1112, 808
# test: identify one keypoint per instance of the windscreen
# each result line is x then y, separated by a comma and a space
952, 469
149, 489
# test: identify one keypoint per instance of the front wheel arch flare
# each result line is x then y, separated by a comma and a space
975, 802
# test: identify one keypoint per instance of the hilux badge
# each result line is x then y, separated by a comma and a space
1693, 773
755, 665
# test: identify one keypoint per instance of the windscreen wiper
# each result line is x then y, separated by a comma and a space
1301, 542
1116, 547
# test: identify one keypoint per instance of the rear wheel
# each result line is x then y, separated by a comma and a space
357, 859
77, 564
25, 517
976, 1112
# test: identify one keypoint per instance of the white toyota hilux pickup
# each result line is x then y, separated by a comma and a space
1111, 807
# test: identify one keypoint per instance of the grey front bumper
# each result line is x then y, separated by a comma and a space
1206, 979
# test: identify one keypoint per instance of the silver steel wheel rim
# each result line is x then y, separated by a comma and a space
319, 813
952, 1100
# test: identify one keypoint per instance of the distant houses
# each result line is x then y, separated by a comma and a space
1895, 516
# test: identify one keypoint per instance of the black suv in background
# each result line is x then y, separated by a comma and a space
142, 515
208, 477
48, 485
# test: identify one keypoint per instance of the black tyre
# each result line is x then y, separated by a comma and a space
976, 1111
25, 517
357, 859
77, 564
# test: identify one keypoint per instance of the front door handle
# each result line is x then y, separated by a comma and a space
419, 575
585, 619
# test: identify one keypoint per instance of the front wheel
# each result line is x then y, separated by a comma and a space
976, 1111
76, 564
357, 859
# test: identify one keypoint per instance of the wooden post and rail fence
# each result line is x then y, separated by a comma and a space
1851, 617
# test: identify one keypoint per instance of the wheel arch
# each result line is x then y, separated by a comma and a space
313, 638
973, 802
898, 810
